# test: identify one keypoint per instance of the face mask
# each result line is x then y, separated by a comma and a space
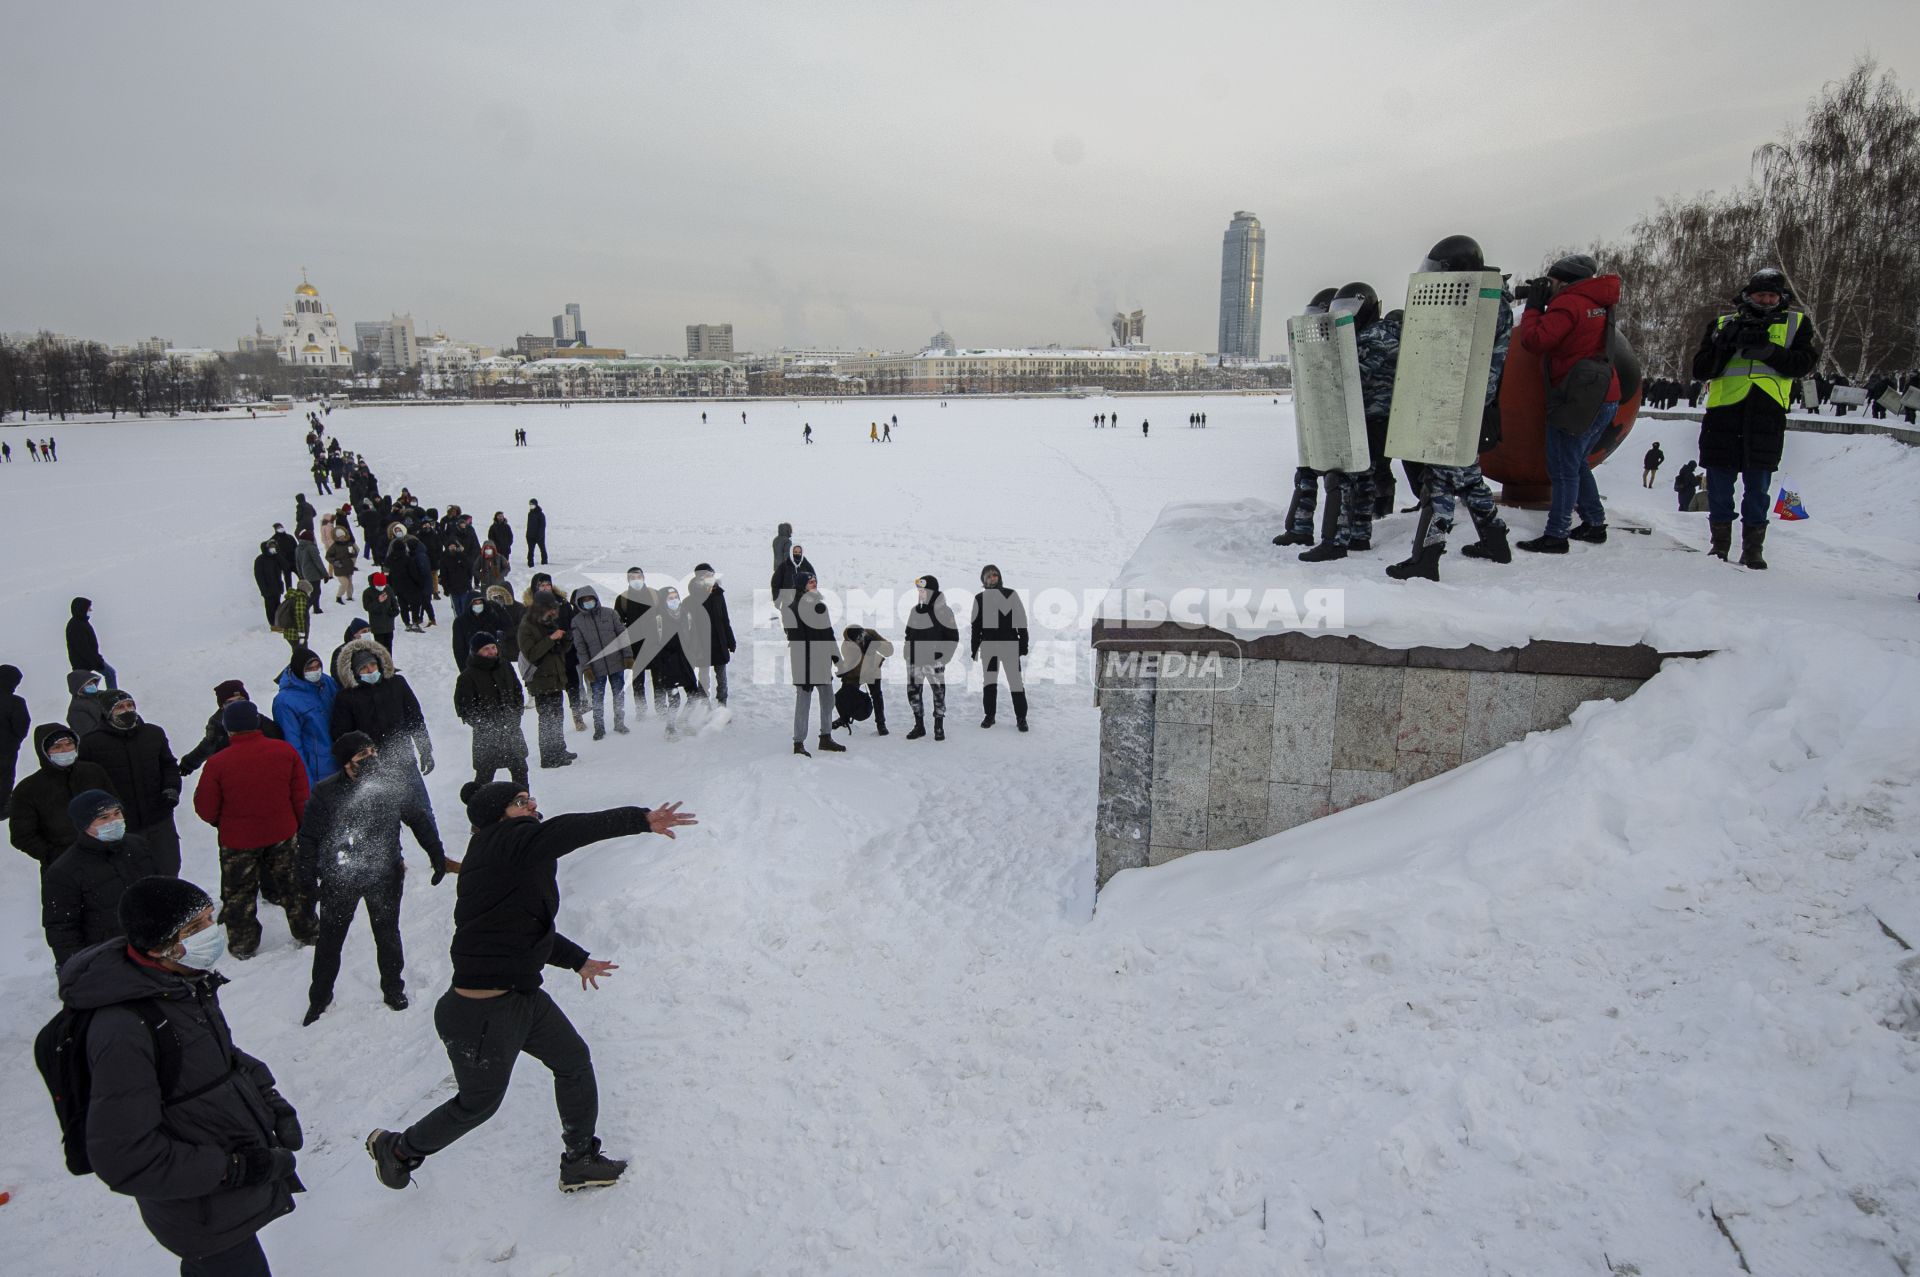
369, 677
476, 608
314, 676
64, 758
91, 688
123, 719
587, 605
112, 831
673, 605
203, 949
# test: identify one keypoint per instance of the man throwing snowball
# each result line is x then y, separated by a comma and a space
503, 934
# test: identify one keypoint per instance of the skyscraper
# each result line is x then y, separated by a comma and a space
710, 341
568, 328
1242, 260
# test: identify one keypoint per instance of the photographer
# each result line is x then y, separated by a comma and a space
1750, 359
1566, 328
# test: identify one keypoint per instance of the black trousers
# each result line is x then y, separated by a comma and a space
164, 841
532, 545
243, 1260
339, 901
550, 711
484, 1039
273, 606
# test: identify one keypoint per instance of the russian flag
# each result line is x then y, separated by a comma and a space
1787, 505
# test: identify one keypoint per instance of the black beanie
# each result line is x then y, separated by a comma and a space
241, 716
487, 805
230, 688
153, 910
110, 699
347, 746
86, 806
301, 658
479, 640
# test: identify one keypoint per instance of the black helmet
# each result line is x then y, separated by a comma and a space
1455, 252
1369, 308
1318, 306
1573, 268
1768, 279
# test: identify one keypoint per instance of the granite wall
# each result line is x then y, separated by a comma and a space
1208, 743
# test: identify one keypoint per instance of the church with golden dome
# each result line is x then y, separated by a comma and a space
309, 334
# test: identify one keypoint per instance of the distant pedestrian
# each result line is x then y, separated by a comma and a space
83, 646
536, 532
806, 432
1651, 462
886, 432
1143, 429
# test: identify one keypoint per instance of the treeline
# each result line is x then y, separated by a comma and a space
1835, 203
60, 377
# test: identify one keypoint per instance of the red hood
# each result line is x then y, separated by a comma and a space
1601, 290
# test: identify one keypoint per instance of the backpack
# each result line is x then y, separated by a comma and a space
60, 1052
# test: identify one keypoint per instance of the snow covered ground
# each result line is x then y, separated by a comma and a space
1551, 1013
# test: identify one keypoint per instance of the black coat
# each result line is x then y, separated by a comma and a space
267, 577
83, 646
720, 641
932, 637
80, 891
284, 549
536, 524
388, 711
173, 1158
998, 617
790, 576
38, 823
488, 698
501, 534
409, 570
381, 615
493, 619
503, 921
216, 739
1750, 434
14, 722
639, 615
350, 834
146, 777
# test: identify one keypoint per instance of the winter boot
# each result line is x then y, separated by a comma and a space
1722, 534
919, 728
1294, 538
1491, 545
1544, 544
397, 1000
589, 1168
599, 733
1324, 552
620, 726
1020, 710
393, 1166
879, 726
580, 724
1752, 540
1592, 533
991, 699
801, 750
314, 1011
828, 745
1424, 563
939, 728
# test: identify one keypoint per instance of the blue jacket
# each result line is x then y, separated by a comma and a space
305, 713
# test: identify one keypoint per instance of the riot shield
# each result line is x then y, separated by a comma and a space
1446, 355
1889, 400
1912, 398
1328, 411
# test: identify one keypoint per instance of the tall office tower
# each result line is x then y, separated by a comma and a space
1242, 260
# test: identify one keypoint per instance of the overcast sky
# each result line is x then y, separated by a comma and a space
849, 174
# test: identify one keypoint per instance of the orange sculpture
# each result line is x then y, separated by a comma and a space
1519, 460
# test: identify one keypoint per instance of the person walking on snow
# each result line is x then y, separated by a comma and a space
488, 698
503, 936
1651, 463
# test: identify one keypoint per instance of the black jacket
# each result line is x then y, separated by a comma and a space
38, 823
266, 572
80, 892
536, 524
998, 617
350, 835
501, 534
388, 711
83, 646
14, 722
932, 637
791, 575
216, 738
284, 549
1750, 434
174, 1159
488, 698
492, 619
146, 778
720, 640
503, 929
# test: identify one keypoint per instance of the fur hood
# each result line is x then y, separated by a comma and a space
349, 652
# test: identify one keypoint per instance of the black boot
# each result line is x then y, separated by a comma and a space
314, 1011
1722, 534
1424, 563
1322, 553
991, 699
1020, 710
939, 727
1294, 538
919, 728
801, 750
1592, 533
1492, 545
828, 745
397, 1000
1544, 544
393, 1166
1752, 541
589, 1168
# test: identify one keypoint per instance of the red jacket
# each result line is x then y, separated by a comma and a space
254, 791
1572, 327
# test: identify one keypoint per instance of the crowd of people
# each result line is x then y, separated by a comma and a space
37, 450
1749, 362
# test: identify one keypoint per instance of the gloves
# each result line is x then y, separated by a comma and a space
251, 1166
171, 797
439, 872
286, 1122
426, 762
1761, 351
1728, 336
1537, 291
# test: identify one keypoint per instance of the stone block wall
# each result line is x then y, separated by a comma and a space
1228, 742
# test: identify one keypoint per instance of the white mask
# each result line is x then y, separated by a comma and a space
314, 676
65, 758
204, 949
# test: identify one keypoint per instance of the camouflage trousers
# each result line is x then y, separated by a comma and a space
251, 872
1306, 500
933, 676
1355, 525
1444, 486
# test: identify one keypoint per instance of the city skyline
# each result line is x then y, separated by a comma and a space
767, 202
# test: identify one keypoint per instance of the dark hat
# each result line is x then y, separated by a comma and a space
1768, 279
703, 567
487, 804
87, 806
230, 688
1573, 268
479, 640
364, 657
356, 626
153, 910
241, 716
991, 568
301, 655
350, 744
113, 697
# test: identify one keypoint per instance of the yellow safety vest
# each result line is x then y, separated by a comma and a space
1742, 374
